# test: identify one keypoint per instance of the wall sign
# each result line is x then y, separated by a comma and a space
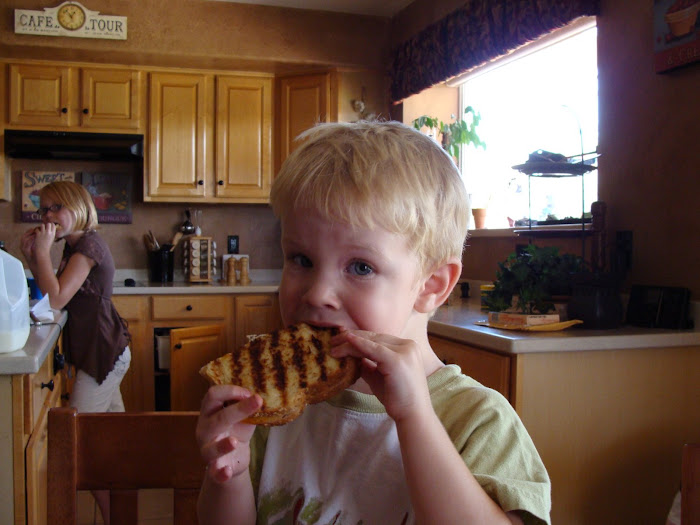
70, 19
32, 182
676, 33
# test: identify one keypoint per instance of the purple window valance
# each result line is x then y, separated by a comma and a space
475, 33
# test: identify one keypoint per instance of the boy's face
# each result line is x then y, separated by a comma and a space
342, 276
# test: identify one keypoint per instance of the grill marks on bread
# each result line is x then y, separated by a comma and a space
288, 369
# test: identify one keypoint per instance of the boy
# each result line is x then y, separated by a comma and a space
373, 218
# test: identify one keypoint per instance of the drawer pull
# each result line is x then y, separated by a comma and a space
59, 360
188, 307
65, 397
200, 182
64, 110
86, 111
178, 346
49, 385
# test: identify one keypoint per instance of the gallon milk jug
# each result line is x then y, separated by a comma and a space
14, 304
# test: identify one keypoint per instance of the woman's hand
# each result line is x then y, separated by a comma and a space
27, 244
392, 367
224, 441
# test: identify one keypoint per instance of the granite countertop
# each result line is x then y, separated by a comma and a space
456, 321
41, 341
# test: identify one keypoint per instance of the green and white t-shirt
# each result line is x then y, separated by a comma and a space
340, 462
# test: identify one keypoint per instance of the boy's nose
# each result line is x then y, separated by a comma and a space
321, 292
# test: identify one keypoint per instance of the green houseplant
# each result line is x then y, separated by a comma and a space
529, 279
453, 134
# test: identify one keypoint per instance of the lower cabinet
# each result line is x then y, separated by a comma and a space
609, 425
227, 319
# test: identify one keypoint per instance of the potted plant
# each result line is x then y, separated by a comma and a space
527, 281
453, 135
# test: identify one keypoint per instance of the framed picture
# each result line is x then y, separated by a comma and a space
32, 182
112, 195
676, 33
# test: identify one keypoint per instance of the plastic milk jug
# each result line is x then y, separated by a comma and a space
14, 304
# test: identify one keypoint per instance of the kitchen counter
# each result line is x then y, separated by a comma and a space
41, 341
456, 321
262, 281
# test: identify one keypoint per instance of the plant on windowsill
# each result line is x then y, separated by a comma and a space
453, 135
527, 282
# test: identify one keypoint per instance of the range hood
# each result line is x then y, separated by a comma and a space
22, 144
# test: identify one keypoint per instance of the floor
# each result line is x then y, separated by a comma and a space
155, 508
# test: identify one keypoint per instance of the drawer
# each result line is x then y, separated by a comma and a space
187, 307
131, 307
36, 395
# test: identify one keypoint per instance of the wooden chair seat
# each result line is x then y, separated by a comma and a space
690, 485
122, 452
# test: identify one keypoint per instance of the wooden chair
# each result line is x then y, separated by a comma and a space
122, 452
690, 485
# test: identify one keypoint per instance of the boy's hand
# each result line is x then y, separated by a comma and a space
391, 366
223, 440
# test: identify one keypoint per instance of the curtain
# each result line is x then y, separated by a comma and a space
477, 32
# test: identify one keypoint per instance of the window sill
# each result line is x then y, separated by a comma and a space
558, 230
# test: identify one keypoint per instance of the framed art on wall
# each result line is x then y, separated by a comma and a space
676, 33
112, 195
32, 182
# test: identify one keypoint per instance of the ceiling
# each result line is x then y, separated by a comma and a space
385, 8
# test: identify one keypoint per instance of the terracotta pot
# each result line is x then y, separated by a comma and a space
479, 217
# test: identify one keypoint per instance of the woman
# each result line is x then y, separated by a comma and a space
96, 338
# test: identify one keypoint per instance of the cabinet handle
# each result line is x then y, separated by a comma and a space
59, 360
48, 385
220, 183
65, 397
188, 307
178, 346
64, 110
86, 111
200, 182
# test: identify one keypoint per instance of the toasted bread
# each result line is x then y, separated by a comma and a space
288, 368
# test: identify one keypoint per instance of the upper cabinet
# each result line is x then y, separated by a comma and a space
210, 138
89, 99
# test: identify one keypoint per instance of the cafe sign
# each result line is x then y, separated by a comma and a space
70, 19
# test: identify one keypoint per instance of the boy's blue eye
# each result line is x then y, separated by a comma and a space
360, 268
302, 260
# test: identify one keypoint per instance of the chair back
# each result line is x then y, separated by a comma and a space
122, 452
690, 484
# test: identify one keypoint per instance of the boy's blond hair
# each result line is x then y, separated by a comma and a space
383, 174
76, 198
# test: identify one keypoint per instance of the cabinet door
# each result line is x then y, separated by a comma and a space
42, 95
304, 101
179, 156
488, 368
137, 387
256, 314
111, 98
191, 349
243, 138
36, 459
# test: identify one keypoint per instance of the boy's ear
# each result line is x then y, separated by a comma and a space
438, 285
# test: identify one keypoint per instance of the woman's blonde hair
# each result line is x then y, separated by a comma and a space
378, 173
74, 197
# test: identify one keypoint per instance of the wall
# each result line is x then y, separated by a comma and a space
205, 34
648, 173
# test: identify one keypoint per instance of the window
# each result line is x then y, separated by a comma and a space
542, 97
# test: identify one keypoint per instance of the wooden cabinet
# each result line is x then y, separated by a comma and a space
137, 385
191, 349
224, 320
243, 138
33, 395
304, 101
488, 368
179, 136
87, 99
185, 163
256, 314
